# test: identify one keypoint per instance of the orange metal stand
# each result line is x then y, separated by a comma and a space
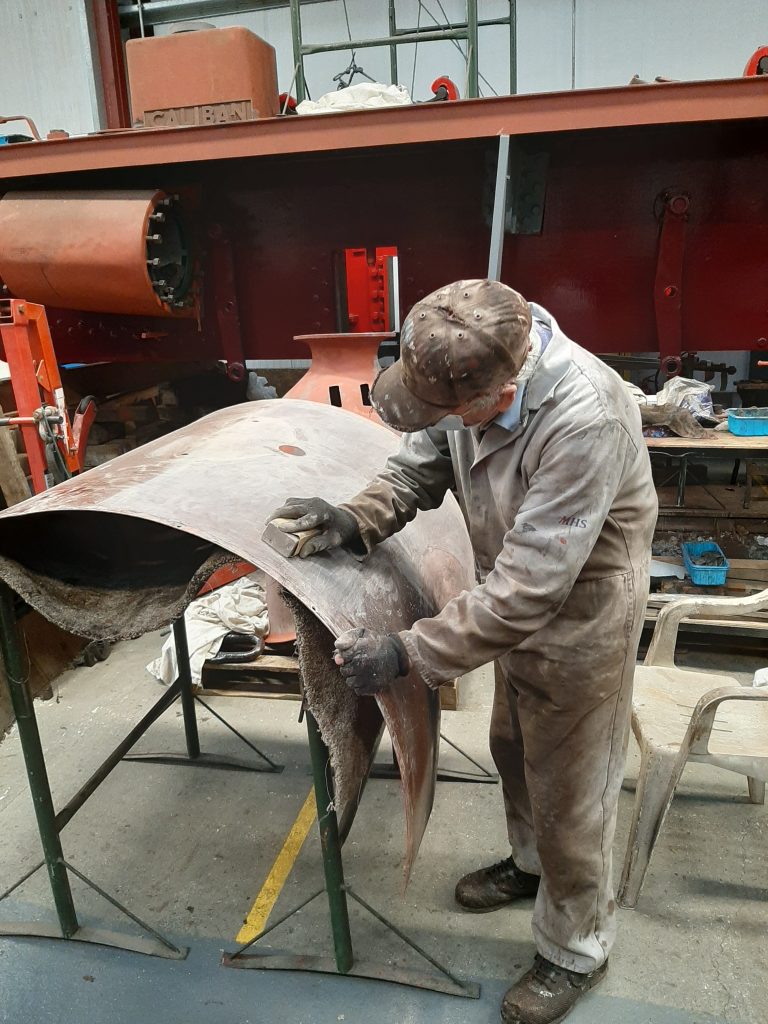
54, 445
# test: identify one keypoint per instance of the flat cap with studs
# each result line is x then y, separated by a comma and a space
456, 345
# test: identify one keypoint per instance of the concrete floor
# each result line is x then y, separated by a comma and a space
189, 849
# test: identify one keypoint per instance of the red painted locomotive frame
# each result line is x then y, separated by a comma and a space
654, 215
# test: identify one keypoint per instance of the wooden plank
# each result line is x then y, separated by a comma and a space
723, 442
129, 398
13, 482
736, 563
449, 696
264, 663
264, 685
750, 568
212, 691
142, 414
269, 675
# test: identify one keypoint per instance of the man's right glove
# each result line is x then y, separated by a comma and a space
370, 662
339, 527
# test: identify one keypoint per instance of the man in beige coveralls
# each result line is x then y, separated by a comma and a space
542, 444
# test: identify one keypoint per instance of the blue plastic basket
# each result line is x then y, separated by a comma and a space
748, 422
704, 575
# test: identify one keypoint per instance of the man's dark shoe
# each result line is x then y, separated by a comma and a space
547, 993
494, 887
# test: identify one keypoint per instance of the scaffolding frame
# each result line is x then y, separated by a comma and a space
142, 14
466, 30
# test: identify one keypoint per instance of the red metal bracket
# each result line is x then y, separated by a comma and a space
668, 286
369, 288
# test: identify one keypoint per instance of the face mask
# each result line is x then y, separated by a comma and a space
451, 422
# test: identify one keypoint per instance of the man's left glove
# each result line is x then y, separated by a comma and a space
370, 663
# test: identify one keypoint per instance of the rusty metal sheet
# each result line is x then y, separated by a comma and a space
111, 554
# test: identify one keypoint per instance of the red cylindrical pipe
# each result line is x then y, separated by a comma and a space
95, 251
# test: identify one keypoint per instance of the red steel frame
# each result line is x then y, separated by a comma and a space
106, 19
621, 269
668, 103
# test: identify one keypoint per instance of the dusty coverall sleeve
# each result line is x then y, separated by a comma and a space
416, 478
568, 501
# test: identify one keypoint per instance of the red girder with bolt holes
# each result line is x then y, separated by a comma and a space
294, 193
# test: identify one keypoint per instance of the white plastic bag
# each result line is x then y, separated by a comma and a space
693, 395
364, 96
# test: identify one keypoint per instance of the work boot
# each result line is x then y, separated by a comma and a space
494, 887
547, 993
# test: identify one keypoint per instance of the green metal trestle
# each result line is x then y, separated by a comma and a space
50, 823
337, 890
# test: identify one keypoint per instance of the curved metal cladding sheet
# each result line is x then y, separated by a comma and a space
87, 250
123, 549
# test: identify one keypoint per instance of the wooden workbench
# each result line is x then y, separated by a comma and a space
718, 444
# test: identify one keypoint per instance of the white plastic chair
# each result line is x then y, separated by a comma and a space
681, 715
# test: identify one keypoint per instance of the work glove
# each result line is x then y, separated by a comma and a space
339, 527
370, 663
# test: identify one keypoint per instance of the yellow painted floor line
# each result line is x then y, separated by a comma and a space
259, 913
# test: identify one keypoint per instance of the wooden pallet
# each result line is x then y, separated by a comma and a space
276, 677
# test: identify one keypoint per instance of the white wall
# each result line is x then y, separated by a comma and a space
687, 39
614, 39
46, 68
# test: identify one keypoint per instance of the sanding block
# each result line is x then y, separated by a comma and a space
288, 545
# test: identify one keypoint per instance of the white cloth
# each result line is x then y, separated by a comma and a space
693, 395
363, 96
239, 607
